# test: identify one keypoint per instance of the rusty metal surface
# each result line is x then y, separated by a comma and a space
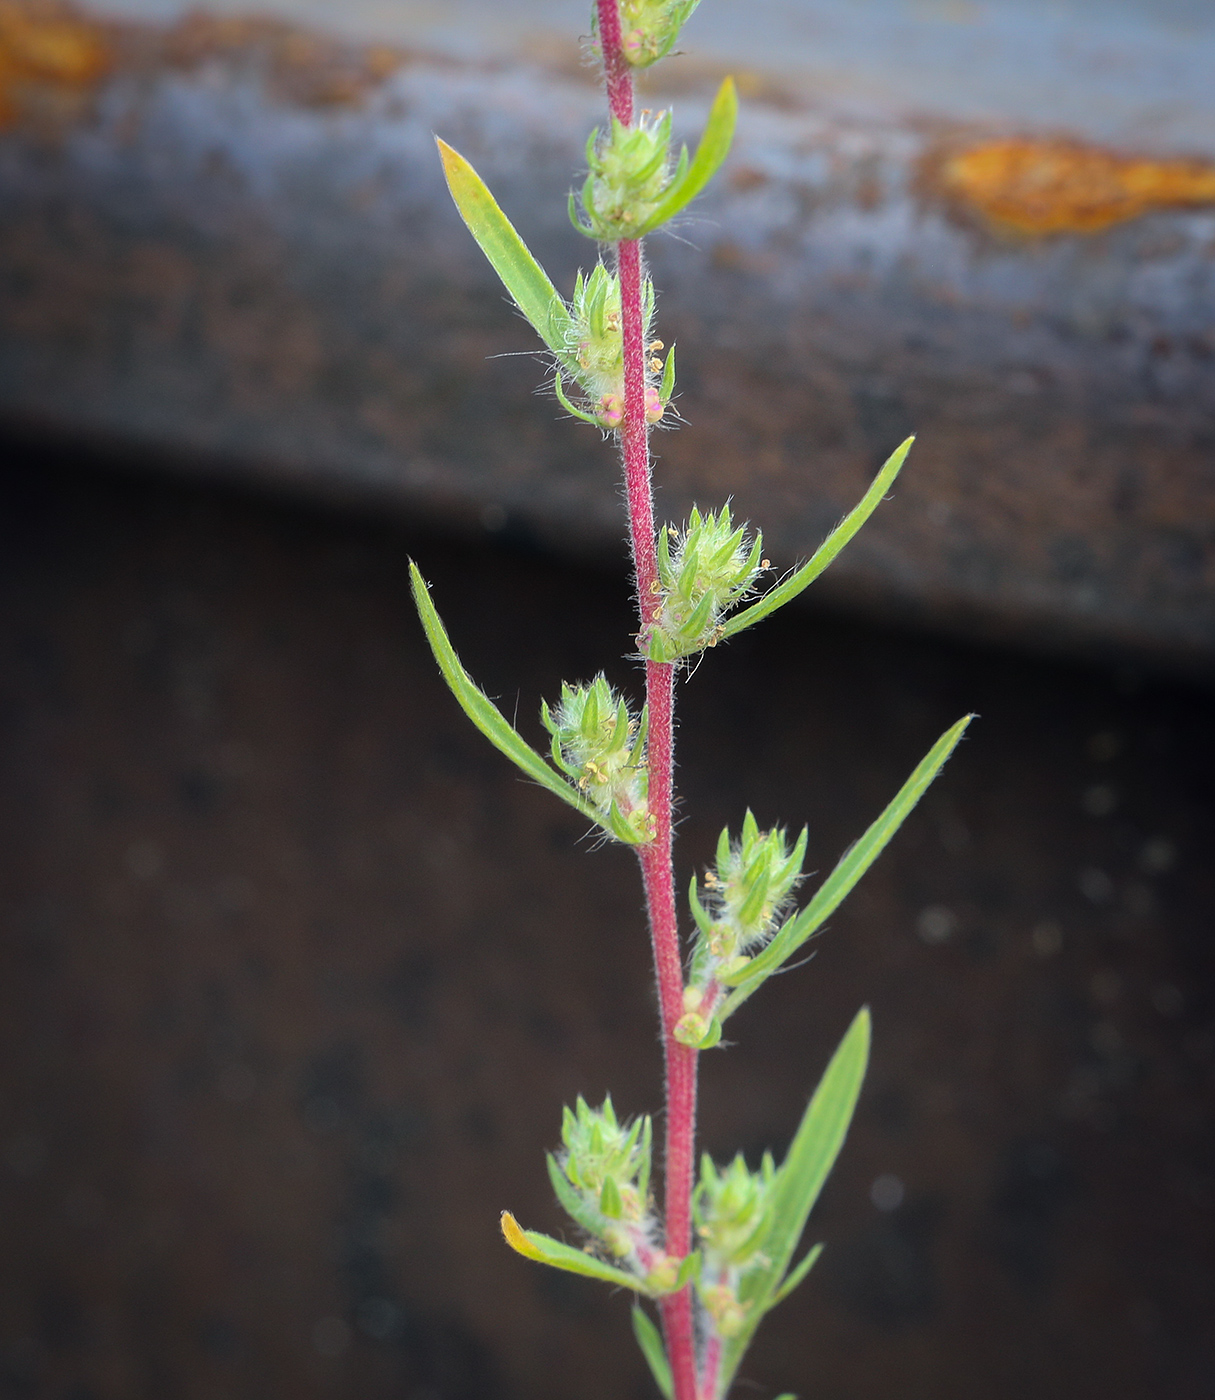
230, 245
295, 976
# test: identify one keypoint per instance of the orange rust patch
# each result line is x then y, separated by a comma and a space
45, 47
1043, 187
52, 57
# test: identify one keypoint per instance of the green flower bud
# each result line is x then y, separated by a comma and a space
595, 350
649, 28
630, 169
750, 888
593, 334
664, 1273
722, 1304
692, 1029
731, 1213
739, 906
702, 574
600, 745
607, 1161
697, 1027
602, 1178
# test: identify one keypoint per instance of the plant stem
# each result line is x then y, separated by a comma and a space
656, 868
617, 73
712, 1366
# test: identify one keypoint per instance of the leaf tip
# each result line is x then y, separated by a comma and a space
955, 733
894, 463
417, 584
456, 171
517, 1238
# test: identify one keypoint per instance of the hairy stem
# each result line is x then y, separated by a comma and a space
680, 1059
618, 75
712, 1367
660, 697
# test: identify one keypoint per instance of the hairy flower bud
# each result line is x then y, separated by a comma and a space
599, 1149
649, 28
602, 1178
731, 1211
630, 169
722, 1304
738, 907
702, 572
595, 350
750, 887
600, 745
593, 333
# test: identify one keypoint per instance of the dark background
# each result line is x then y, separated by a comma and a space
297, 974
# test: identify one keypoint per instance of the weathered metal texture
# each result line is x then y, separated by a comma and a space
232, 246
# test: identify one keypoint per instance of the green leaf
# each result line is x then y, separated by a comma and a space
609, 1199
575, 1206
667, 387
521, 274
800, 1178
826, 552
795, 1276
489, 720
650, 1342
572, 408
713, 149
546, 1250
687, 1271
836, 887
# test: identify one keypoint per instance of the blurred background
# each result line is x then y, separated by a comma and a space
297, 974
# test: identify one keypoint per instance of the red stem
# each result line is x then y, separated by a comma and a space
617, 73
656, 867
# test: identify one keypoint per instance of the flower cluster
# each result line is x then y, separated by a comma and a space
594, 348
731, 1209
650, 28
630, 170
702, 573
602, 1178
600, 745
745, 897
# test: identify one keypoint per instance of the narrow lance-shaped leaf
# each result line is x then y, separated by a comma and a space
490, 721
575, 1206
521, 274
667, 387
546, 1250
570, 408
811, 1155
796, 1275
826, 552
713, 148
650, 1342
835, 888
